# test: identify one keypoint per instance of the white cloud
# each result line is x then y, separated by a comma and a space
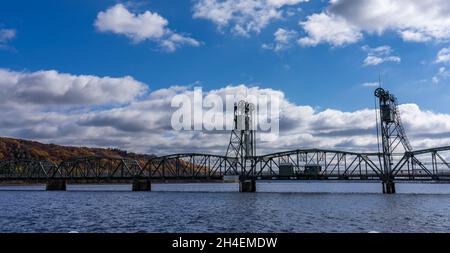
243, 16
442, 74
371, 84
414, 36
86, 117
443, 55
334, 30
54, 88
379, 55
139, 27
282, 40
6, 35
417, 21
175, 40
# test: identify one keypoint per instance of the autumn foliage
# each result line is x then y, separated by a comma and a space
11, 149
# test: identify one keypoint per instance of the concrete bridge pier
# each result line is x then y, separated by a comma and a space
56, 185
388, 187
247, 185
140, 185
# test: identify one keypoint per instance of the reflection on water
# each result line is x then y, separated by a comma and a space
276, 207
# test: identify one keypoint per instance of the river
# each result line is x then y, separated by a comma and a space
275, 207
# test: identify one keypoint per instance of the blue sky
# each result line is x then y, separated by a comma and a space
315, 52
60, 35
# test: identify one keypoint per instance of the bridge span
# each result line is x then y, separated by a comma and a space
302, 164
396, 161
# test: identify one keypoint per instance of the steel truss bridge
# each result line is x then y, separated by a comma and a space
420, 165
396, 162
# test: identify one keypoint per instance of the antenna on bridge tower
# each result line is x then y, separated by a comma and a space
243, 136
379, 80
393, 135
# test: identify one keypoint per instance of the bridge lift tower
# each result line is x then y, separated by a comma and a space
393, 135
243, 142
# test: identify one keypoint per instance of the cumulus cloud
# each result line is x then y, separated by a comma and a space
282, 40
243, 16
88, 111
140, 27
6, 35
328, 28
379, 55
345, 21
54, 88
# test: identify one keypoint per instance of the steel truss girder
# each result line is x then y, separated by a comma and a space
429, 164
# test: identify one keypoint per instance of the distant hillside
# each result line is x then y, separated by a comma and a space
23, 149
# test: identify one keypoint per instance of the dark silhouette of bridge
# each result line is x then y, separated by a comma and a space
395, 161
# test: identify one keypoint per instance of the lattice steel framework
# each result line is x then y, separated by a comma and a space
242, 144
422, 165
393, 135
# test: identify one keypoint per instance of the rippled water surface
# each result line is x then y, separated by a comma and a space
276, 207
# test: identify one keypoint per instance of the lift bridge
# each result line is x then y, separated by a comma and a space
394, 161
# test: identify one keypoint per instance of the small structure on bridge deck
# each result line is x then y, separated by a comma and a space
313, 169
140, 185
56, 185
286, 170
